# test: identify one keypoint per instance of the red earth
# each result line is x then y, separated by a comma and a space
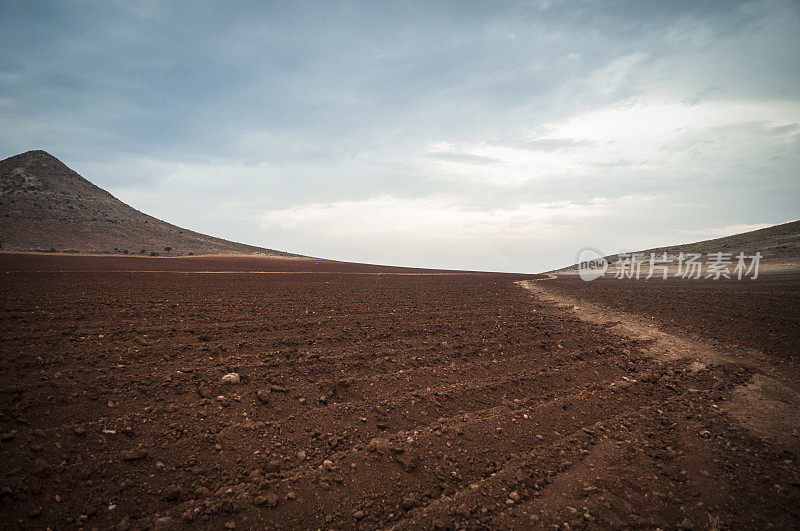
391, 400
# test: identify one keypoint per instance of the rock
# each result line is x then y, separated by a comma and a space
327, 464
302, 455
263, 395
514, 496
79, 431
231, 378
358, 515
230, 525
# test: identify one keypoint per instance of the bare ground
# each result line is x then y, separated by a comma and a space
379, 401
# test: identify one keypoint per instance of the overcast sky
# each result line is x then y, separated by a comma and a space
473, 135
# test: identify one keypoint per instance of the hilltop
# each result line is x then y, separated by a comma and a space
46, 206
778, 245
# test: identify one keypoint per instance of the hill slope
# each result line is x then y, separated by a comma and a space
779, 244
45, 206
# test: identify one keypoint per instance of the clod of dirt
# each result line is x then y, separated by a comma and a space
172, 493
164, 522
134, 455
379, 444
231, 378
263, 395
269, 499
408, 503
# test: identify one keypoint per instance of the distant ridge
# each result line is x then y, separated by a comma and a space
779, 244
46, 206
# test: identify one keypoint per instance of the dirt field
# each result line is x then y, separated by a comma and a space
388, 400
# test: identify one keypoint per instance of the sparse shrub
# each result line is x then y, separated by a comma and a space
143, 251
168, 248
153, 253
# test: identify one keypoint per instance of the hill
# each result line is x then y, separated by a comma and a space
778, 245
46, 206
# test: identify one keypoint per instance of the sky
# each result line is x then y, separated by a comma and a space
490, 135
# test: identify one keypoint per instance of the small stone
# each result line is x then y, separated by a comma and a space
230, 525
291, 496
79, 431
514, 496
327, 463
408, 503
358, 515
231, 378
263, 395
302, 455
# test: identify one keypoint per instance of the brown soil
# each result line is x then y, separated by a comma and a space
369, 400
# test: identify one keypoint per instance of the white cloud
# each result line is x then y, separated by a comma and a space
634, 136
617, 73
440, 232
434, 216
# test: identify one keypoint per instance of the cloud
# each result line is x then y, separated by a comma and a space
636, 136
